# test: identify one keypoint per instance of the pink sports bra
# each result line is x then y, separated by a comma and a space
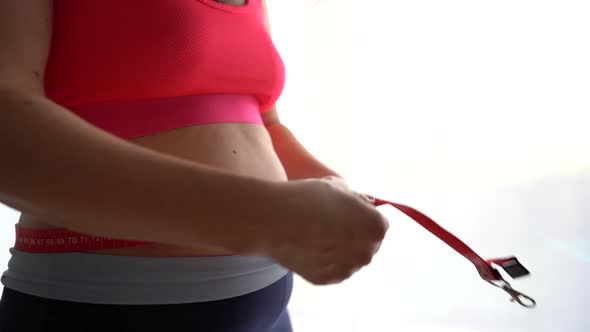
134, 68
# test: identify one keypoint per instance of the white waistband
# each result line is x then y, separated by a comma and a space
109, 279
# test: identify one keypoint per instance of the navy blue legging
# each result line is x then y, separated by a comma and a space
261, 311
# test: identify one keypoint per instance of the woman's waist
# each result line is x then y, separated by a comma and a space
239, 148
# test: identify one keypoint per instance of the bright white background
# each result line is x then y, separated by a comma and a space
475, 113
472, 111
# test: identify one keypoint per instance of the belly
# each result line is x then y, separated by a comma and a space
241, 148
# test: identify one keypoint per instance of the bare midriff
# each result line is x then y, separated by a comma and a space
241, 148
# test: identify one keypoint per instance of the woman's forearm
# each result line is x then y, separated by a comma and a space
55, 164
297, 161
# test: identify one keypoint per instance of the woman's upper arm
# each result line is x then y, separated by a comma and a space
267, 19
25, 38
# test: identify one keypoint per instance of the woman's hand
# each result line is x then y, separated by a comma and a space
327, 232
341, 183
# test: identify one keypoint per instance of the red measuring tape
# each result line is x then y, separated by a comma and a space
63, 240
485, 267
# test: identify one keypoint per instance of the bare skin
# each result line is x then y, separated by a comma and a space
240, 148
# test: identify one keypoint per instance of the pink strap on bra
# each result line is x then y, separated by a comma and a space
130, 119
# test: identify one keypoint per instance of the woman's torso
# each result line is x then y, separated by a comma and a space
243, 148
